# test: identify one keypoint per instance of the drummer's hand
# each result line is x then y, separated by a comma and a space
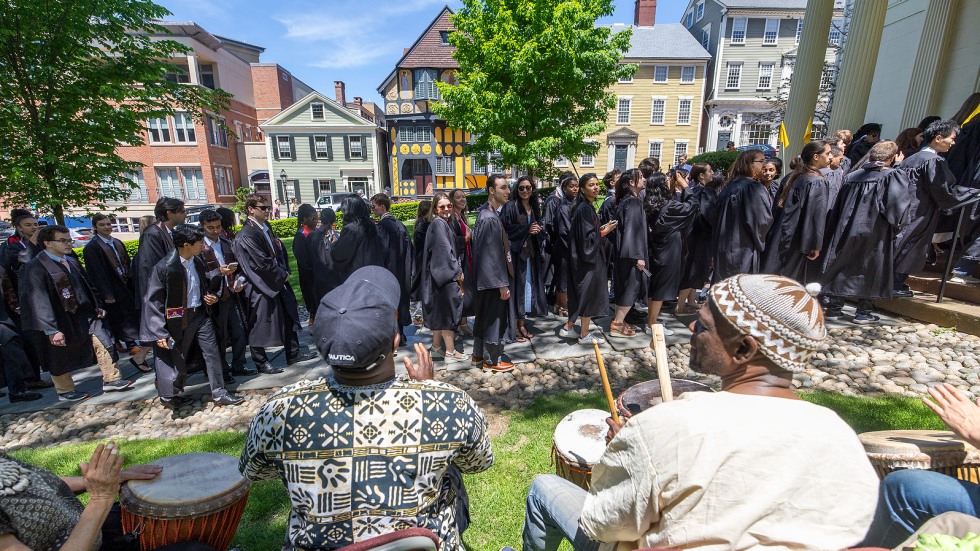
101, 473
140, 472
957, 411
613, 428
424, 371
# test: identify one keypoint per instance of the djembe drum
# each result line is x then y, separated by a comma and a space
580, 440
645, 395
934, 450
198, 497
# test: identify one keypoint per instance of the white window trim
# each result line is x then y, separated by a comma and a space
687, 149
289, 147
326, 143
765, 30
799, 30
772, 74
629, 113
690, 113
627, 80
350, 146
738, 85
561, 162
664, 115
699, 11
745, 29
666, 75
706, 33
323, 110
694, 74
657, 141
582, 163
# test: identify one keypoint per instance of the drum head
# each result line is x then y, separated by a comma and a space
645, 395
190, 485
914, 441
581, 436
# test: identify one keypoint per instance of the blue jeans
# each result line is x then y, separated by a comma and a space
554, 506
909, 498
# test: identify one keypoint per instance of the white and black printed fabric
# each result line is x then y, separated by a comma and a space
359, 462
36, 506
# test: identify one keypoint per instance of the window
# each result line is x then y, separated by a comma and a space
660, 73
285, 147
799, 30
772, 32
738, 30
136, 186
323, 188
206, 74
248, 133
217, 133
479, 165
657, 109
444, 38
689, 19
655, 149
358, 183
356, 148
835, 31
623, 111
239, 131
561, 162
423, 134
700, 11
184, 128
680, 148
587, 160
194, 185
445, 166
320, 147
756, 134
684, 110
178, 74
706, 37
159, 130
818, 132
121, 224
169, 183
765, 76
406, 133
425, 84
316, 111
734, 78
626, 80
223, 182
687, 74
827, 77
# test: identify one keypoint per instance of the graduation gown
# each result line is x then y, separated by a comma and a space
934, 189
556, 220
55, 300
493, 267
227, 315
155, 243
835, 179
629, 282
439, 289
304, 267
16, 252
270, 304
8, 306
699, 241
464, 250
858, 258
798, 228
588, 292
548, 213
356, 246
666, 242
744, 214
398, 258
964, 157
526, 252
418, 247
111, 279
327, 277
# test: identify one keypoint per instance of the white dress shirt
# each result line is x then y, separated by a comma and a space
216, 247
193, 284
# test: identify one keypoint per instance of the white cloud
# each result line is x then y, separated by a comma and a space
347, 54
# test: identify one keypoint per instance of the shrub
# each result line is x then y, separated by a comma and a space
406, 212
719, 160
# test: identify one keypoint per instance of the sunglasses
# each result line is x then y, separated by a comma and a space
444, 207
266, 208
524, 188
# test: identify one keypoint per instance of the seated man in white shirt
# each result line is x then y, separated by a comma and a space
747, 467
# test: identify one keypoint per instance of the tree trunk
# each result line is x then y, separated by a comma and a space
59, 214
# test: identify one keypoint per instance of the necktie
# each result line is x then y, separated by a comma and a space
64, 262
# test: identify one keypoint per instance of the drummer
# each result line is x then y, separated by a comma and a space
752, 465
39, 510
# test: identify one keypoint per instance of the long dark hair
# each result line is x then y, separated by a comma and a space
533, 199
425, 210
357, 212
743, 164
624, 186
584, 179
697, 170
658, 194
805, 165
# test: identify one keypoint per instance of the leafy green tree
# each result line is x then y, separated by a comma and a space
534, 78
80, 78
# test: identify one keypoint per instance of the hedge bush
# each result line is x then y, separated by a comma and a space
719, 160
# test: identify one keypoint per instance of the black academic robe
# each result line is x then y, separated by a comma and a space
964, 157
270, 303
464, 250
558, 226
668, 226
934, 187
8, 307
857, 150
55, 300
858, 258
162, 299
744, 214
418, 247
155, 243
548, 207
111, 279
494, 270
798, 228
327, 277
356, 246
699, 242
396, 246
439, 289
588, 292
17, 252
835, 179
526, 252
304, 267
629, 282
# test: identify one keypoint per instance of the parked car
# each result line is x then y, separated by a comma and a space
81, 236
6, 230
765, 148
194, 213
335, 200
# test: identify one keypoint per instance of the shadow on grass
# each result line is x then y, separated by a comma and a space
879, 413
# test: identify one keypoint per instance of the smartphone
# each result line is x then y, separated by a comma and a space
233, 266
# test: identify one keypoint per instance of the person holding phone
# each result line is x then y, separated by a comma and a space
629, 280
670, 210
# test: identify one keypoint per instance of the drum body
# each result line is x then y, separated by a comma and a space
197, 497
933, 450
579, 442
645, 395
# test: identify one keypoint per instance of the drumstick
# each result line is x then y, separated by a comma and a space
605, 383
659, 344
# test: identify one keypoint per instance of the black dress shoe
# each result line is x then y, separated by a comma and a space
174, 403
300, 357
902, 293
229, 380
269, 369
246, 371
228, 400
25, 397
34, 385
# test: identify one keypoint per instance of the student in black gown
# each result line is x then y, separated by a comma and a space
698, 242
521, 218
418, 247
556, 220
358, 244
440, 288
22, 246
859, 256
155, 241
16, 364
464, 250
834, 174
396, 246
306, 221
964, 160
629, 281
772, 171
799, 218
744, 215
494, 274
321, 241
864, 139
588, 295
607, 211
670, 211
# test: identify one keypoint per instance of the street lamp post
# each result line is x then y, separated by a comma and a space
282, 189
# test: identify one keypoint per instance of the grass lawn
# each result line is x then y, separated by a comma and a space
496, 496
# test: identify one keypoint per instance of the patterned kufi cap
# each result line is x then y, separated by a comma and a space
783, 316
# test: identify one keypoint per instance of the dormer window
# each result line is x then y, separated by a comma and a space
316, 111
444, 37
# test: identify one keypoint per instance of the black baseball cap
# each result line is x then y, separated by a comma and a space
357, 322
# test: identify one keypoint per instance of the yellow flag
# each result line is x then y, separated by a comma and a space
783, 138
809, 131
973, 114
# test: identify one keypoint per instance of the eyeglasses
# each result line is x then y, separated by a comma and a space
266, 208
64, 241
524, 188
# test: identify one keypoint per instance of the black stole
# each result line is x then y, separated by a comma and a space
62, 282
120, 267
276, 250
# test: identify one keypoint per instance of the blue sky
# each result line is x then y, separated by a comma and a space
356, 41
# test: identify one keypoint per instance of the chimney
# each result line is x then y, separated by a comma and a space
645, 14
341, 90
358, 101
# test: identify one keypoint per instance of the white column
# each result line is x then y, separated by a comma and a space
929, 64
857, 66
805, 83
192, 69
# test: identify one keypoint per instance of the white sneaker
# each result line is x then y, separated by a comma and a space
587, 340
964, 279
565, 332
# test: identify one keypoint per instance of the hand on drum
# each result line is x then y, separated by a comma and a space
613, 428
424, 371
102, 472
957, 411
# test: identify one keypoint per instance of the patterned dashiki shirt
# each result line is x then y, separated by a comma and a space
359, 462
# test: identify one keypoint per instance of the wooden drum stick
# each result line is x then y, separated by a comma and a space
659, 344
605, 383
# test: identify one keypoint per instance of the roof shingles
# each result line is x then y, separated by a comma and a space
662, 41
428, 51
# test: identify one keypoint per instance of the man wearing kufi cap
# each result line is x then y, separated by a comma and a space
750, 466
363, 452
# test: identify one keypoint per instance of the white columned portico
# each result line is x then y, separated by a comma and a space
805, 83
857, 66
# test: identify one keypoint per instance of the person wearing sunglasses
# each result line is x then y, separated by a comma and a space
743, 218
521, 217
